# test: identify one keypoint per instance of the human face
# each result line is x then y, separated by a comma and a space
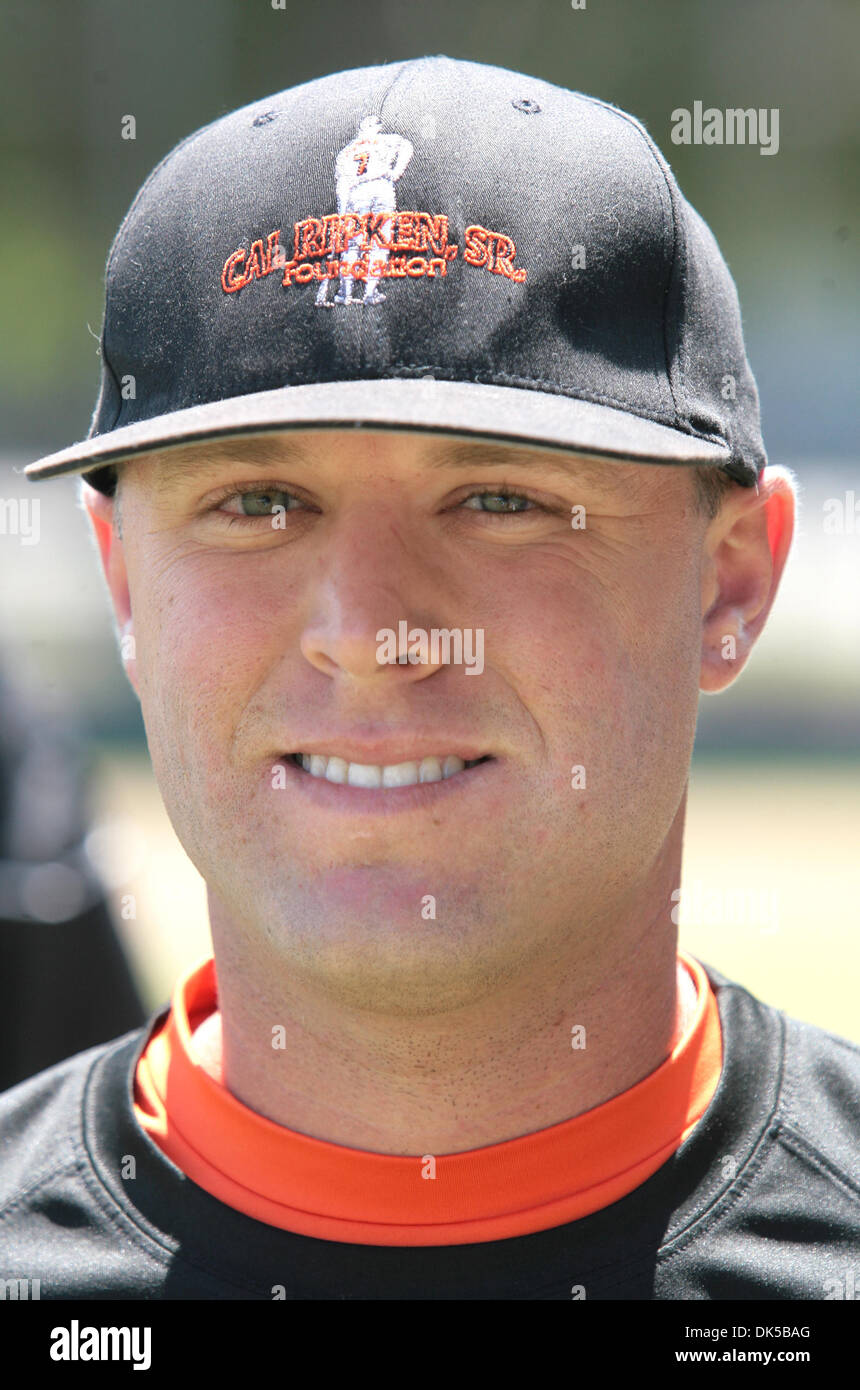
255, 641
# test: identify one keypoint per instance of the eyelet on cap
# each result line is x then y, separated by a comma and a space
265, 118
526, 104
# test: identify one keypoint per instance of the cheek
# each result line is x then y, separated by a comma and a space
200, 658
650, 679
607, 660
597, 634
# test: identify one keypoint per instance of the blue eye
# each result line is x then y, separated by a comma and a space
502, 495
255, 503
260, 503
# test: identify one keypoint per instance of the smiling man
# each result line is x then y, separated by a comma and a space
447, 1046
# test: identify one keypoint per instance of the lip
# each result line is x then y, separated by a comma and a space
385, 801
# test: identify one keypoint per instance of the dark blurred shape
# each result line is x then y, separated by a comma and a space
65, 983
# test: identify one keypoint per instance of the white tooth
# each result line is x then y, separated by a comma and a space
360, 776
339, 770
400, 775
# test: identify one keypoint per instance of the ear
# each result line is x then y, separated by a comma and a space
100, 510
744, 553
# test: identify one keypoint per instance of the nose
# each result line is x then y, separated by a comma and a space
373, 584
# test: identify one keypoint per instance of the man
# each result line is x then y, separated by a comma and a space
447, 1047
367, 170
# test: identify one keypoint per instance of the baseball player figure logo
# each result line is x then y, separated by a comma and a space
366, 171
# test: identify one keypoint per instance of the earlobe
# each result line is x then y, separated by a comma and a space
744, 559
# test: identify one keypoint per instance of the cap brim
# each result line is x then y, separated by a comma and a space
512, 414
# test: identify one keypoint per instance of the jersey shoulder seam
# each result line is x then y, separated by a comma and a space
18, 1199
803, 1148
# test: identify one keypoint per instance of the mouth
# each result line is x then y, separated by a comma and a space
383, 776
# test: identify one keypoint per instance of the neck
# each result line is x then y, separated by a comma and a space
566, 1037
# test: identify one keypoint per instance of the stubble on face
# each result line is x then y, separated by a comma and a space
592, 644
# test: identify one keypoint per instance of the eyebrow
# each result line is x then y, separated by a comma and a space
185, 463
492, 455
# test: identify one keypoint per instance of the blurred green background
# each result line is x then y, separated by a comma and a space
772, 868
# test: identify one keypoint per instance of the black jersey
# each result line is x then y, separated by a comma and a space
761, 1201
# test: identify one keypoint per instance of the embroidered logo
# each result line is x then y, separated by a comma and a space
366, 171
368, 239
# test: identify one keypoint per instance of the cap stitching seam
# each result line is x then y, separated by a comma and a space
657, 158
404, 66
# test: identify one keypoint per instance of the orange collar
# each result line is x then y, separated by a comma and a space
332, 1192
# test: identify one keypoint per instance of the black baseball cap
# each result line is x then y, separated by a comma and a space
434, 245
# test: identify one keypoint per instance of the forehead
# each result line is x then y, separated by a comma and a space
337, 449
